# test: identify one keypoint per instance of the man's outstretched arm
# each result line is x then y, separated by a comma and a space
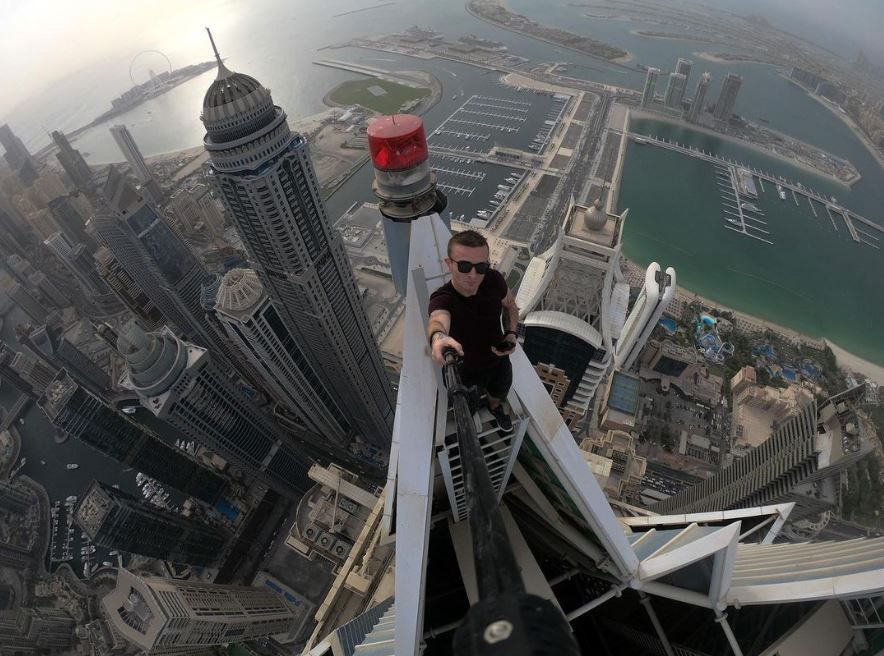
437, 332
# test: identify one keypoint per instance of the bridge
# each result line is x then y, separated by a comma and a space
859, 236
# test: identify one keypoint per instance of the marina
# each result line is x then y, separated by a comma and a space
732, 182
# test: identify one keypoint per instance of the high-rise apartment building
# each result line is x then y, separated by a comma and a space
24, 300
18, 157
797, 463
653, 299
15, 234
13, 370
126, 289
196, 211
675, 90
77, 259
41, 282
574, 314
650, 86
20, 267
129, 148
117, 520
684, 67
86, 417
253, 323
727, 99
167, 616
49, 342
72, 162
698, 103
158, 261
32, 371
39, 630
269, 189
179, 383
70, 221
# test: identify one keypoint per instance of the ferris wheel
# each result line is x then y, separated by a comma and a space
150, 60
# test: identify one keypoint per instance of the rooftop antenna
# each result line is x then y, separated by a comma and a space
222, 69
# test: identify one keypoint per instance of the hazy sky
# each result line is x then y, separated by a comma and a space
44, 42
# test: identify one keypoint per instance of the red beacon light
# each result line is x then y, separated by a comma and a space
398, 142
404, 183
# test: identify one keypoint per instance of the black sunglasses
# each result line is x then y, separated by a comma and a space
465, 267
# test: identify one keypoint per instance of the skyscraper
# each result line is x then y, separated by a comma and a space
47, 288
23, 371
36, 630
269, 188
79, 262
652, 301
650, 86
126, 289
129, 148
684, 67
49, 342
697, 105
86, 417
813, 446
72, 162
18, 157
70, 221
162, 616
15, 234
179, 383
158, 261
25, 300
575, 315
675, 90
728, 96
117, 520
253, 323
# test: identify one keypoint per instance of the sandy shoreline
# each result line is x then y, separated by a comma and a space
846, 359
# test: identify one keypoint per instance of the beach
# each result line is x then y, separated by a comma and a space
850, 362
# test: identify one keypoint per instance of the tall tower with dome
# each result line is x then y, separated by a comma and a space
268, 186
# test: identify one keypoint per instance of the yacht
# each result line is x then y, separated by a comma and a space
72, 465
781, 192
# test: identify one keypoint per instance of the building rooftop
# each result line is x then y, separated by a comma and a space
624, 392
593, 224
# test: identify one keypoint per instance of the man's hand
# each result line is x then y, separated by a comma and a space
440, 343
509, 338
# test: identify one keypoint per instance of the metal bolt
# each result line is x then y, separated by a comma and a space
497, 631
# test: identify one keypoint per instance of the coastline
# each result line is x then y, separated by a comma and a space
712, 57
846, 360
640, 113
847, 120
618, 61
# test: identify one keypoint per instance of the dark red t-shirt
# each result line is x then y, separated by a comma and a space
475, 320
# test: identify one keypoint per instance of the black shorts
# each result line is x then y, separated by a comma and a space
495, 381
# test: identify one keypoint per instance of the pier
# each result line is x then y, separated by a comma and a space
850, 218
736, 218
812, 208
831, 218
850, 227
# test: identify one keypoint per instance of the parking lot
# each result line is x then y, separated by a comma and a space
676, 413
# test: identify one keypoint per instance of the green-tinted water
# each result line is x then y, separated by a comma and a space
813, 279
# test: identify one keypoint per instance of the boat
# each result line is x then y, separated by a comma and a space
640, 140
21, 421
734, 221
72, 465
781, 192
750, 207
42, 462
